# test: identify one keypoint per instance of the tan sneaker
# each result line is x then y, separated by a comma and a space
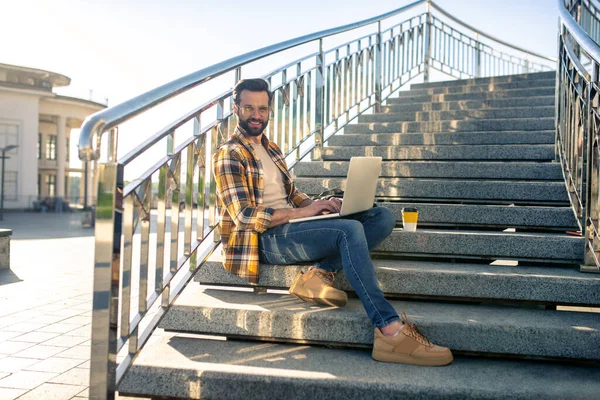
409, 347
316, 286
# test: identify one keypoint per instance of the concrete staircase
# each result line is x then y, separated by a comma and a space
488, 272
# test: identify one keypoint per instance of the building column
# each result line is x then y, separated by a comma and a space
61, 155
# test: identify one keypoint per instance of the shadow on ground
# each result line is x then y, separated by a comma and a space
7, 276
33, 225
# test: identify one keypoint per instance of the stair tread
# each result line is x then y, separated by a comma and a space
459, 280
498, 169
185, 367
472, 328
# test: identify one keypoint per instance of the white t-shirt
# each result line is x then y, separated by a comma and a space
274, 191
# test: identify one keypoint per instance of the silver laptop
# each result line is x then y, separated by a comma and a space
360, 188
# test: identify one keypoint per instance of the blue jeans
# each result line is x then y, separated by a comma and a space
335, 244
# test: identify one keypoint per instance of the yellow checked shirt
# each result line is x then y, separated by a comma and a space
240, 189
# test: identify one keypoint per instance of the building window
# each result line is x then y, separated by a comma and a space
39, 193
11, 185
51, 184
9, 136
51, 148
68, 150
39, 146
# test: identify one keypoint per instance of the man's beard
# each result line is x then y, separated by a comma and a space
250, 130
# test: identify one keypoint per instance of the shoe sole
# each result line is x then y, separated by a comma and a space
321, 302
398, 358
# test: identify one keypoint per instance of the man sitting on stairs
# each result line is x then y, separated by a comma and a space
257, 198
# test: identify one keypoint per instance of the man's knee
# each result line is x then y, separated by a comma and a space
384, 217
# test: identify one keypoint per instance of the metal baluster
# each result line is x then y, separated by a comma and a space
189, 199
161, 211
212, 199
285, 110
317, 153
108, 227
378, 70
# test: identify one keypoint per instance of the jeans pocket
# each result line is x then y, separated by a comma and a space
274, 258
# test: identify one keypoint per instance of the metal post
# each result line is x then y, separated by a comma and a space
378, 69
85, 185
478, 57
2, 187
317, 153
427, 44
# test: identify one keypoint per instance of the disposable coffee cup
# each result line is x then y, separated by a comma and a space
409, 219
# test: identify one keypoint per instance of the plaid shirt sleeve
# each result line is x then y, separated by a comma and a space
232, 189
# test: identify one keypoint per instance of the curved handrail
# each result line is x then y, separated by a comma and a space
581, 36
481, 33
107, 119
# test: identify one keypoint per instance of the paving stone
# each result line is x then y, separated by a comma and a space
25, 327
53, 364
76, 352
26, 379
10, 394
35, 337
75, 376
40, 351
52, 391
14, 364
66, 341
9, 347
59, 328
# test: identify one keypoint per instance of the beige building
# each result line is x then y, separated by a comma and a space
39, 122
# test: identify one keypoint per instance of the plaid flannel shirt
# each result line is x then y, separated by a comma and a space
240, 190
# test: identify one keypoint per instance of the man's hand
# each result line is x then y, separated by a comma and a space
318, 207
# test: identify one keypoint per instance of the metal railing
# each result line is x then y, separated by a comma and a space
148, 254
587, 15
578, 123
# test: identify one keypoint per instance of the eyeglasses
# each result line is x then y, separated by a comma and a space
249, 110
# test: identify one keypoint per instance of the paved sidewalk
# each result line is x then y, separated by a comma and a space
45, 308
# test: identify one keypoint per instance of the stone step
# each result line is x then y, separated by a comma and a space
480, 87
506, 124
503, 113
442, 138
538, 247
427, 279
511, 93
508, 152
541, 101
438, 189
500, 216
463, 327
532, 77
181, 366
437, 169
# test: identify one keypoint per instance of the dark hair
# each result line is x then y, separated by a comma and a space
253, 85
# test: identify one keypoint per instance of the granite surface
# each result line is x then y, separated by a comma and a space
449, 280
517, 112
439, 189
5, 248
502, 94
478, 87
191, 368
428, 105
443, 138
521, 78
530, 171
472, 328
512, 124
508, 152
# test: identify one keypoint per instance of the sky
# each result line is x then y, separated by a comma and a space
123, 48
